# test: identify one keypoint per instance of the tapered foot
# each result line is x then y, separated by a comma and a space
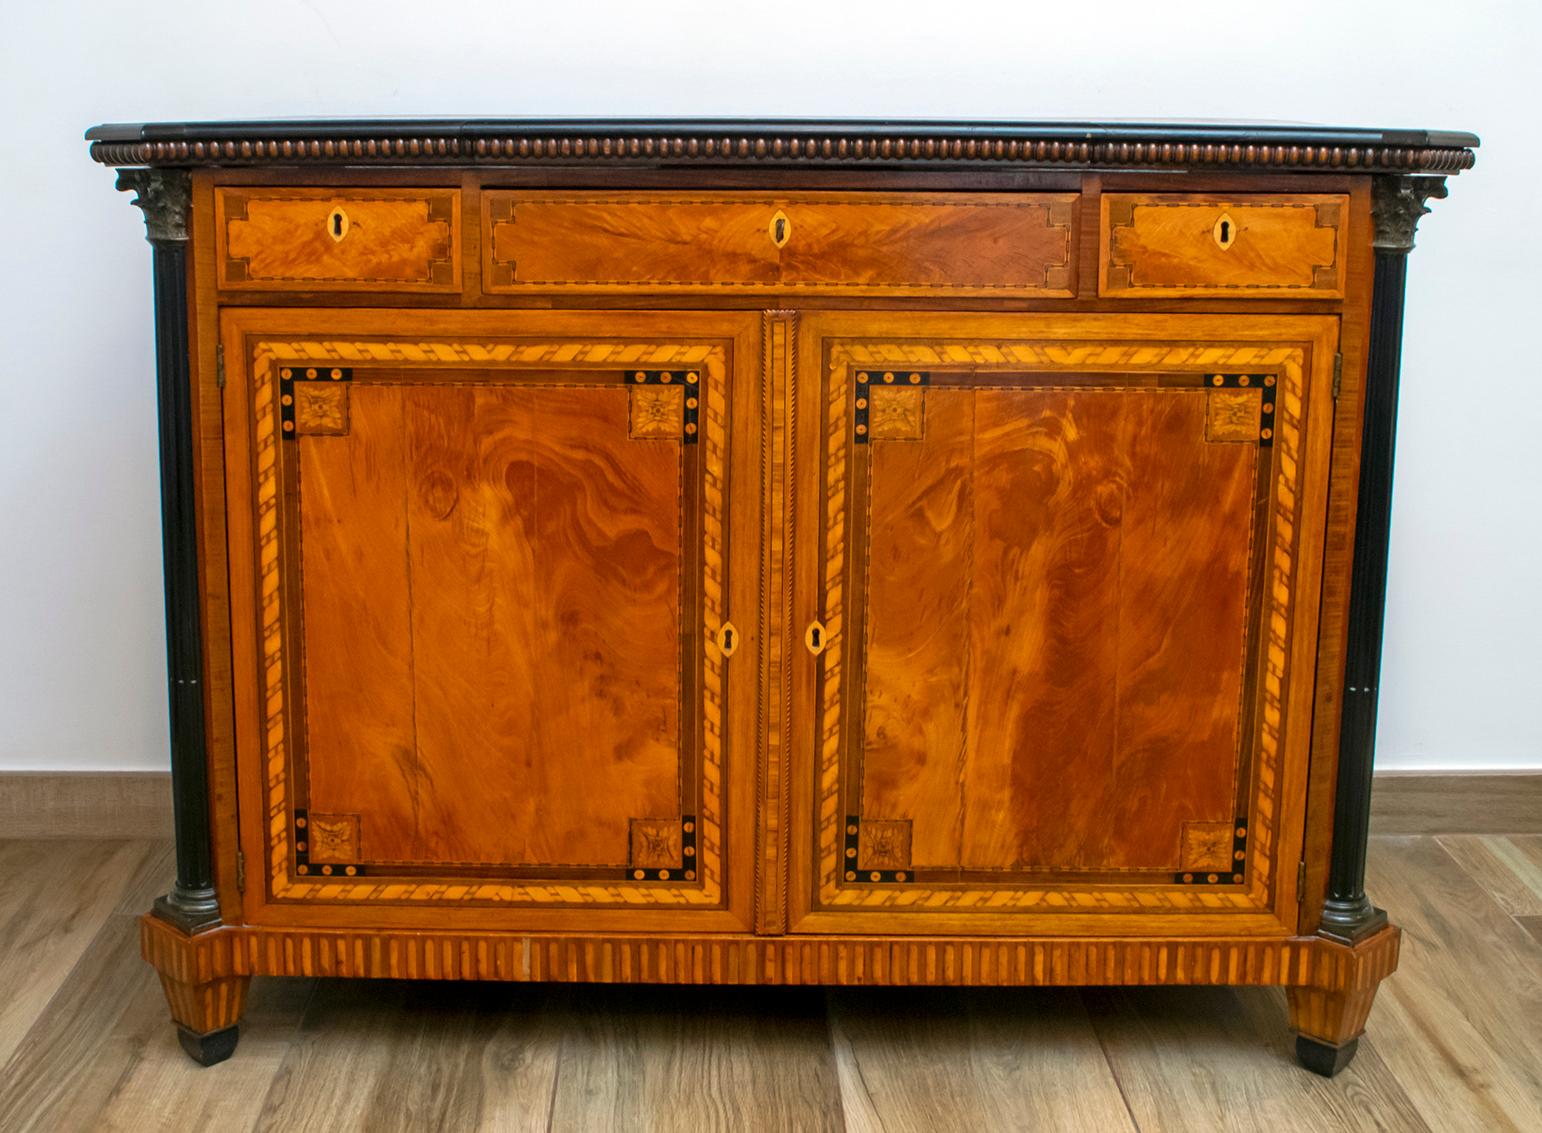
211, 1047
206, 1010
1328, 1013
1325, 1058
206, 1014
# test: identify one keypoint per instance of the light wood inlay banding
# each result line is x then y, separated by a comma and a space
1273, 570
268, 356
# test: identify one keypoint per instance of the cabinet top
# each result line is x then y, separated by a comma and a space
783, 142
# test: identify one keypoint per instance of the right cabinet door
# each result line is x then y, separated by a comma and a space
1056, 580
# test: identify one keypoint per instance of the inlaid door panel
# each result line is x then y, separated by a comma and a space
491, 598
1066, 622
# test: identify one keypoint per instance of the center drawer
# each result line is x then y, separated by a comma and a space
992, 244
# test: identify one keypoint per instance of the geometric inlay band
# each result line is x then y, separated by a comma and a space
1269, 368
613, 364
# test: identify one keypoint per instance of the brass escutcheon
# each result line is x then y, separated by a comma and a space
727, 639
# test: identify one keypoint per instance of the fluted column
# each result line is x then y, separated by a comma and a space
164, 195
1397, 203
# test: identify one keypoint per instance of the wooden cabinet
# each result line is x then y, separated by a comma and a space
802, 554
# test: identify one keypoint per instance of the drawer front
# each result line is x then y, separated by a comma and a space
323, 240
833, 243
1163, 244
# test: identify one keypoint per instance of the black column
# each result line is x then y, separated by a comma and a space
165, 196
1397, 205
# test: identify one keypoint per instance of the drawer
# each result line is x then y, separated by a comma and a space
1162, 244
830, 243
328, 240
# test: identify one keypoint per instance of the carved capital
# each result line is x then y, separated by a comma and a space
165, 196
1397, 203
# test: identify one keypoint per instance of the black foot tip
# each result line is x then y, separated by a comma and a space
206, 1050
1324, 1058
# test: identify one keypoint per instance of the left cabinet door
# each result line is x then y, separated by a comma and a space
493, 659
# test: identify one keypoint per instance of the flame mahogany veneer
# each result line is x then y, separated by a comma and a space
776, 552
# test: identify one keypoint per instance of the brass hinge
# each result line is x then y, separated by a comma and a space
1338, 374
240, 872
219, 366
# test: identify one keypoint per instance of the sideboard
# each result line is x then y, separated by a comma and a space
776, 552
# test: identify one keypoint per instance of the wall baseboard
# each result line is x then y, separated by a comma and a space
1416, 802
85, 804
137, 804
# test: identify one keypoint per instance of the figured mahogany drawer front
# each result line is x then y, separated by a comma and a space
832, 243
1169, 244
328, 240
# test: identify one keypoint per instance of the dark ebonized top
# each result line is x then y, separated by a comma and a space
732, 141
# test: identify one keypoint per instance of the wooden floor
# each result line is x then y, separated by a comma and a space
1455, 1041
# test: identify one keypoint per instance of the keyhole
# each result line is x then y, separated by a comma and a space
727, 639
1224, 232
337, 224
814, 637
780, 228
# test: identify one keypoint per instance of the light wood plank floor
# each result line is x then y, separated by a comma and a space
1455, 1041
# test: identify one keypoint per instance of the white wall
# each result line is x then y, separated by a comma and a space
81, 659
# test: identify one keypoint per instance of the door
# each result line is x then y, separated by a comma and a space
1057, 584
488, 628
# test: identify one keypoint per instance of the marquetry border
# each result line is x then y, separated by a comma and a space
267, 357
231, 951
773, 800
773, 146
845, 356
